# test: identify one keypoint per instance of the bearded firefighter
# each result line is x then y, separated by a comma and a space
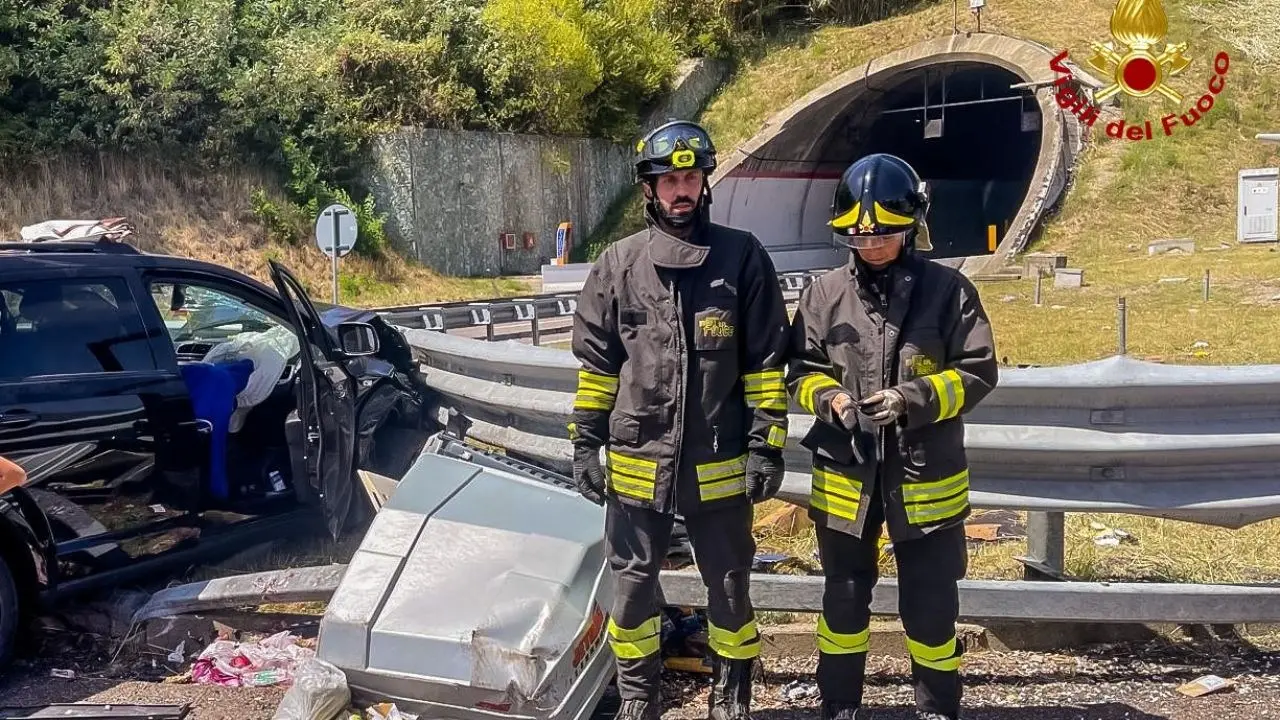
889, 352
681, 333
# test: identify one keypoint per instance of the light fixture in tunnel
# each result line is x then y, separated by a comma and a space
933, 129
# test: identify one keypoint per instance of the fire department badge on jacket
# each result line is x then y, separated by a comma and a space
715, 327
922, 365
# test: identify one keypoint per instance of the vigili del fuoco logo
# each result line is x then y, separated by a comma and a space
1139, 62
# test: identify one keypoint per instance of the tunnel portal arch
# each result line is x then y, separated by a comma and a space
996, 154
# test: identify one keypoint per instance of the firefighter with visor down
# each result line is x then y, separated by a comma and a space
681, 331
889, 352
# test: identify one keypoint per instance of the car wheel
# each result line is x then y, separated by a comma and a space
9, 613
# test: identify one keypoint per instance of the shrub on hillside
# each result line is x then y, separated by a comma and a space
304, 84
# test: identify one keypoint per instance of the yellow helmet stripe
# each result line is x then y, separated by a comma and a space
885, 217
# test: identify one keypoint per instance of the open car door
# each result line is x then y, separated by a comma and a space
326, 404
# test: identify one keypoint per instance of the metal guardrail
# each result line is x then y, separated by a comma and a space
531, 309
1197, 443
982, 600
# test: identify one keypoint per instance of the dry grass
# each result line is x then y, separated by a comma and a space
188, 212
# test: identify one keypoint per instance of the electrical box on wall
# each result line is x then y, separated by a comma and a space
508, 241
530, 240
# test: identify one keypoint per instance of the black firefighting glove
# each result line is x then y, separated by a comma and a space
588, 474
883, 407
764, 475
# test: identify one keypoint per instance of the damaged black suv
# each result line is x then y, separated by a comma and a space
167, 410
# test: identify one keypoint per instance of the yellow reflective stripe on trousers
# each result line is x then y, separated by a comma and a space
742, 644
766, 389
834, 643
950, 391
633, 477
719, 480
636, 643
835, 494
940, 657
810, 386
595, 391
938, 500
777, 437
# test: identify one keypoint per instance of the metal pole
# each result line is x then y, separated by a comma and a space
1039, 278
1122, 317
1046, 545
336, 213
1206, 284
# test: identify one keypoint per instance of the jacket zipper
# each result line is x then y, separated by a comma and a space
884, 383
681, 390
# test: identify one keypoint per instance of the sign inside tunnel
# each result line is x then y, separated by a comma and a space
1133, 66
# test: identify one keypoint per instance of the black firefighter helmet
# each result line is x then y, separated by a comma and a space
676, 145
881, 199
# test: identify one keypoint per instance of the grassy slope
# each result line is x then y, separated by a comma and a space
1126, 195
206, 216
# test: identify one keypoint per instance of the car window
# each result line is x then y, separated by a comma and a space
205, 314
200, 318
70, 326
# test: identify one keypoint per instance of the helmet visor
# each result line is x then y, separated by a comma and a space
872, 242
677, 137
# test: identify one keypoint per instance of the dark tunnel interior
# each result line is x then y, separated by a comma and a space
969, 135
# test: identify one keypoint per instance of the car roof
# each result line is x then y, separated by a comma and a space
54, 256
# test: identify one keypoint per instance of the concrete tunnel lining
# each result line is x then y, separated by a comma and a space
792, 143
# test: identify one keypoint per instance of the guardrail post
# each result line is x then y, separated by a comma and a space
537, 331
1122, 321
1046, 546
1206, 284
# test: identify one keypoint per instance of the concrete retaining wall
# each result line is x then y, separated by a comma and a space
450, 196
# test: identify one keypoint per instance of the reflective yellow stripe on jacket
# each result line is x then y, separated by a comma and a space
930, 502
765, 389
835, 494
810, 386
631, 476
719, 480
950, 391
595, 391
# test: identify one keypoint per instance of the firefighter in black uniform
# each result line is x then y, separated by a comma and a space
681, 330
889, 352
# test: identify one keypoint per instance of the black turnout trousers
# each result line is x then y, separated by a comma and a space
637, 541
928, 604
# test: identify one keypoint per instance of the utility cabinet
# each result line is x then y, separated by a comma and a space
1256, 213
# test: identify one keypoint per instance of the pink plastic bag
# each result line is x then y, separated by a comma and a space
270, 661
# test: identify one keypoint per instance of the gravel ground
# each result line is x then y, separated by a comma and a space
1107, 683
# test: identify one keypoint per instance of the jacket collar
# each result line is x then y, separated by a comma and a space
669, 251
903, 275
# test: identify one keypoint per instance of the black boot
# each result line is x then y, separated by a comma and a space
730, 697
639, 710
839, 712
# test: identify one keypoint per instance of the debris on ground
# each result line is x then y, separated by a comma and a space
319, 692
387, 711
270, 661
1111, 537
1205, 685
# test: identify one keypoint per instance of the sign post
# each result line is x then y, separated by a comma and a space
336, 232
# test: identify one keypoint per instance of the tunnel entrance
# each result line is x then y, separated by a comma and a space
971, 137
974, 113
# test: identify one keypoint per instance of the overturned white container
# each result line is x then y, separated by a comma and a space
477, 593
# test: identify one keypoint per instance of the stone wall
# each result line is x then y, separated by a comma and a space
451, 195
